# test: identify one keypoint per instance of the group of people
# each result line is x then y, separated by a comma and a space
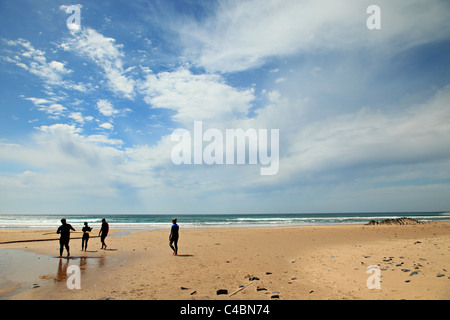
64, 231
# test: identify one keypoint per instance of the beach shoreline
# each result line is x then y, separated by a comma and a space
286, 263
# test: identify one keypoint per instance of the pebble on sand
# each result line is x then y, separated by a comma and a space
222, 291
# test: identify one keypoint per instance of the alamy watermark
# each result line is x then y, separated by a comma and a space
374, 280
374, 20
74, 280
74, 21
234, 146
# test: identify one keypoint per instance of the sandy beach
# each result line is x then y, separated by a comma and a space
285, 263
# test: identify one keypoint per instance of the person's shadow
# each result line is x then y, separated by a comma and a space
184, 255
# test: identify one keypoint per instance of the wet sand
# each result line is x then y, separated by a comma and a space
286, 263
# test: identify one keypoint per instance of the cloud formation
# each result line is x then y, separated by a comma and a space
107, 55
246, 34
362, 114
196, 96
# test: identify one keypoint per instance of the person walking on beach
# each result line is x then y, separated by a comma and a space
103, 232
64, 231
84, 241
173, 237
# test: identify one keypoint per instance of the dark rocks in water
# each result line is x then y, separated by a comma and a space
397, 221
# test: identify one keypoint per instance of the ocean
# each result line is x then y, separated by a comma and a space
154, 221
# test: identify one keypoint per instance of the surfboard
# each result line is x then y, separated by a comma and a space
47, 233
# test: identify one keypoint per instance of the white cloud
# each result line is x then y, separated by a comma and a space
106, 108
107, 55
245, 34
78, 117
35, 61
48, 106
61, 160
196, 96
58, 66
64, 7
51, 72
63, 165
106, 125
60, 128
103, 139
64, 146
54, 109
368, 140
38, 101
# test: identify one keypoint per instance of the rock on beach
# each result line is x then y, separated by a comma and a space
397, 221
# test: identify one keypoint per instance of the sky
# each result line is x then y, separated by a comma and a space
93, 91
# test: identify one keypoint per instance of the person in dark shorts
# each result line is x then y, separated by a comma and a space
173, 237
84, 241
103, 232
64, 231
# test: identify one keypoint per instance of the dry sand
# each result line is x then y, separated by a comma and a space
290, 263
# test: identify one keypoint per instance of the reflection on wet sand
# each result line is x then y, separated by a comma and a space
83, 263
22, 270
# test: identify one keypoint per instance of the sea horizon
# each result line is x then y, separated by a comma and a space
142, 221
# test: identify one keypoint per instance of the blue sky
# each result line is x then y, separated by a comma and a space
87, 113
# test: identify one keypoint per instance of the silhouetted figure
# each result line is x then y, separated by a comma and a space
84, 241
64, 230
104, 232
173, 237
